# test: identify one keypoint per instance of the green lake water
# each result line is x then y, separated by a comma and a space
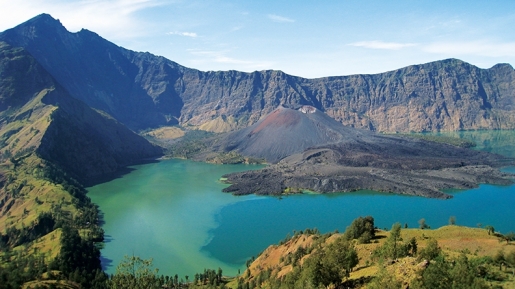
174, 212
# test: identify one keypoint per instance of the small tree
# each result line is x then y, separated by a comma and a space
395, 236
422, 224
362, 229
458, 273
510, 237
412, 247
436, 275
134, 272
392, 248
431, 251
510, 259
499, 258
452, 220
340, 258
489, 229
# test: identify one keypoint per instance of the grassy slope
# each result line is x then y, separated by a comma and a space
33, 194
220, 124
24, 129
36, 196
24, 183
166, 133
61, 284
453, 240
47, 246
25, 192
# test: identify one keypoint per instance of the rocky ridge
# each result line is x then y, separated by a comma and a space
145, 91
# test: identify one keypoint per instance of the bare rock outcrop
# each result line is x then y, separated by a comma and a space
410, 169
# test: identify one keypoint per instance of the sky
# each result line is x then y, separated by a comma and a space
303, 38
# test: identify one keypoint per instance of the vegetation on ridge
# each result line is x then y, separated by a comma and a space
448, 257
50, 228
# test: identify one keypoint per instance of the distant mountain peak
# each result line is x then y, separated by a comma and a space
500, 66
44, 20
41, 26
44, 17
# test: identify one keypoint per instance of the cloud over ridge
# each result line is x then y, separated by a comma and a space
375, 44
282, 19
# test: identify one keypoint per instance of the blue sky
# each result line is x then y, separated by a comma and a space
304, 38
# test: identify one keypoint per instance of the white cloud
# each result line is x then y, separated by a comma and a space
277, 18
225, 59
220, 57
382, 45
478, 48
202, 52
188, 34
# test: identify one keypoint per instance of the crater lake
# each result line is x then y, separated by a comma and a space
174, 211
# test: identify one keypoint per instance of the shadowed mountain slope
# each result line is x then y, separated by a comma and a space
38, 115
145, 91
124, 84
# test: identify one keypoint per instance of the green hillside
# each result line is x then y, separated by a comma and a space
50, 144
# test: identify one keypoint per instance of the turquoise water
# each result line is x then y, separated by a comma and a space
164, 211
174, 211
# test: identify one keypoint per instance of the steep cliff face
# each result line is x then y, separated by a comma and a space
443, 95
38, 115
144, 91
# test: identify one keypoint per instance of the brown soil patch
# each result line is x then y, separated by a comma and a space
271, 257
278, 118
